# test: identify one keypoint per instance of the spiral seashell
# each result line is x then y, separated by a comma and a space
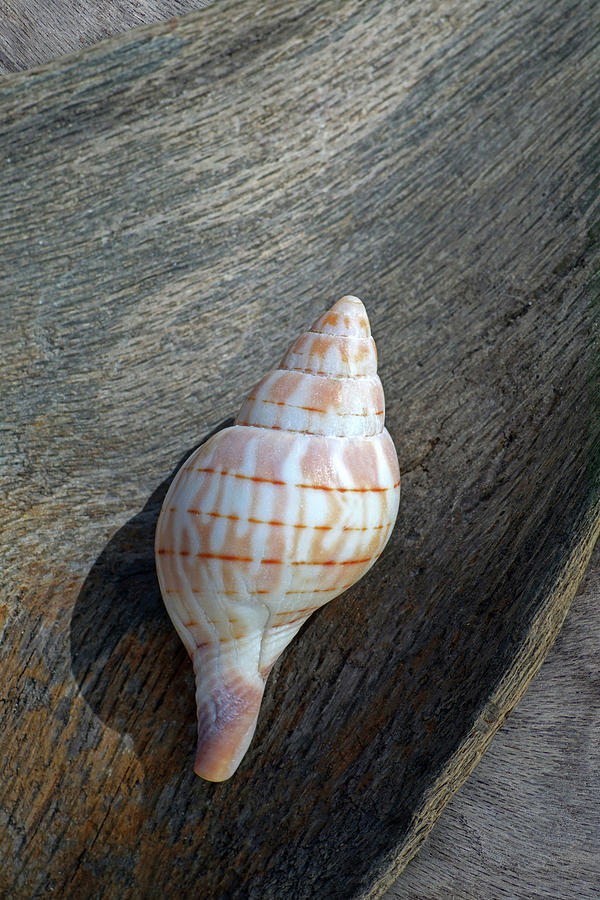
272, 518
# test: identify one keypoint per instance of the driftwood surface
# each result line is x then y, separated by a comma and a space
34, 31
527, 822
177, 204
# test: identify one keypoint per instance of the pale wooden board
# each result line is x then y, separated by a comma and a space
527, 822
180, 203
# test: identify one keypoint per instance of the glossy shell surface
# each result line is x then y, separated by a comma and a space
272, 518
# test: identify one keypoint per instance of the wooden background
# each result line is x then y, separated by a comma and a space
177, 204
526, 824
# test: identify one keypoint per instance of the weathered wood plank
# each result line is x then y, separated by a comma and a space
179, 202
527, 822
33, 32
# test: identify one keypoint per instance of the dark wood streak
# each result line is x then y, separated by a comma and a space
178, 205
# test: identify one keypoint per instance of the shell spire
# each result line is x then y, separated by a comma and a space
272, 518
344, 396
348, 317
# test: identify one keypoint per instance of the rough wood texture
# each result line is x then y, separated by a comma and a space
179, 202
527, 822
35, 31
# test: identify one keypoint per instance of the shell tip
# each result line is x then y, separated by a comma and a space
347, 317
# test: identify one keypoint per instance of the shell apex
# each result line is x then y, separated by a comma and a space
347, 318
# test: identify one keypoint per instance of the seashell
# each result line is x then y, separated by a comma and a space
272, 518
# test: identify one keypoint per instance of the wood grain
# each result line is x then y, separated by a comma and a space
33, 32
527, 822
179, 202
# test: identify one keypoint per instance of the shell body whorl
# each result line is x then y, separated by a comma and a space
272, 518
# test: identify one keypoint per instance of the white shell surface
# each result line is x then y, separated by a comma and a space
272, 518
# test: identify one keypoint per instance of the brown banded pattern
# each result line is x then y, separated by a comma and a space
274, 517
